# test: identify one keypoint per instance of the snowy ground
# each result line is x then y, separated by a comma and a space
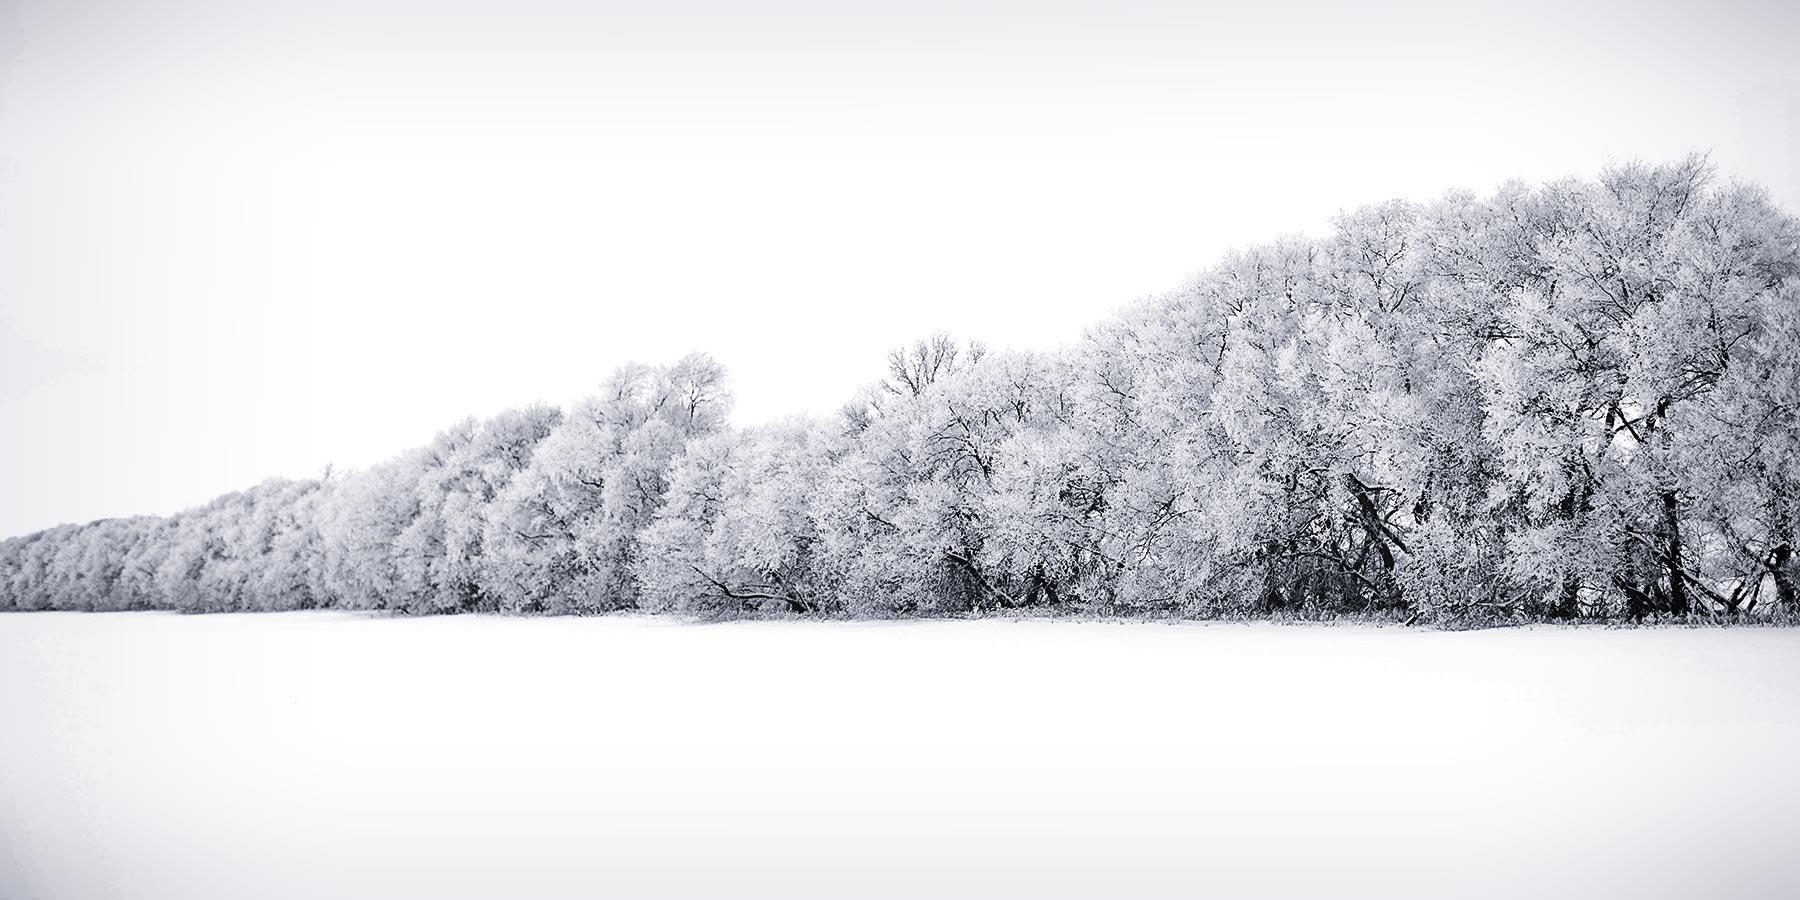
326, 755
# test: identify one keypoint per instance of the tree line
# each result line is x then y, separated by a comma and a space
1573, 401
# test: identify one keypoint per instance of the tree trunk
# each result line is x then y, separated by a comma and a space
1679, 604
1784, 579
1272, 598
1637, 602
1568, 603
1781, 557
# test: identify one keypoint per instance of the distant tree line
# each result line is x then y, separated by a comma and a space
1579, 401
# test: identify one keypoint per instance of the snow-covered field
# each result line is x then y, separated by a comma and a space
335, 756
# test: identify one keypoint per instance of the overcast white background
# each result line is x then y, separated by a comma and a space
240, 240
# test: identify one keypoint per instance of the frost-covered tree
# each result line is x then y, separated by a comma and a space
1737, 455
902, 513
441, 553
563, 535
1574, 400
360, 523
734, 532
1649, 282
292, 550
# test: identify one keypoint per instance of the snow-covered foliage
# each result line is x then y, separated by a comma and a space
1576, 400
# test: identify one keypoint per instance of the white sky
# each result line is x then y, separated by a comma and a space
240, 240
